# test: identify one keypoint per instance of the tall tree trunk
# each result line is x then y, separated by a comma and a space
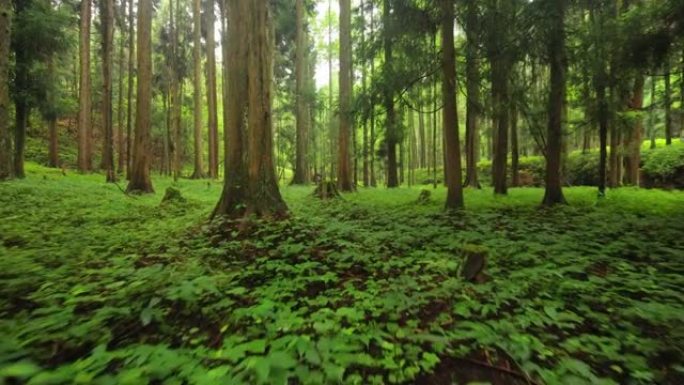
6, 169
473, 94
371, 145
422, 136
131, 77
53, 153
140, 170
454, 199
603, 131
301, 171
633, 140
554, 142
121, 144
198, 173
391, 135
212, 93
344, 178
500, 96
176, 94
613, 156
107, 25
84, 104
250, 186
515, 148
667, 99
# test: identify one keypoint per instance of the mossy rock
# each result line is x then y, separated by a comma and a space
424, 197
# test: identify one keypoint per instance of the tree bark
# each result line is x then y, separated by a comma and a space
53, 153
107, 25
84, 115
6, 169
391, 135
344, 178
473, 93
212, 93
175, 97
633, 140
515, 148
667, 99
121, 143
553, 194
454, 199
131, 77
301, 171
140, 170
198, 173
250, 187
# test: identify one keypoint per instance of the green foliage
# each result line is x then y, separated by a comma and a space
664, 162
101, 288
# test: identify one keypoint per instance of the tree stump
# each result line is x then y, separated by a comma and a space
424, 197
173, 195
474, 264
326, 190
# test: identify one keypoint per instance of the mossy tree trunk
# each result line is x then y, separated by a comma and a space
250, 186
140, 172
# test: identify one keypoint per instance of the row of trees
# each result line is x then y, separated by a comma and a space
516, 59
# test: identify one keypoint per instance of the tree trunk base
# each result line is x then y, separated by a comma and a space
327, 190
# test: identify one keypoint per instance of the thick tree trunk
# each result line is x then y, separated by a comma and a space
140, 170
452, 166
212, 93
473, 94
6, 169
84, 104
500, 96
391, 135
633, 140
554, 141
198, 173
121, 143
301, 171
107, 25
250, 186
344, 178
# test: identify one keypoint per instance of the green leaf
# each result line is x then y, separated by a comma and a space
22, 369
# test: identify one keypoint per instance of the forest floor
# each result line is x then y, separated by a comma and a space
100, 288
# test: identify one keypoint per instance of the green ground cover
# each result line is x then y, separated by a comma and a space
100, 288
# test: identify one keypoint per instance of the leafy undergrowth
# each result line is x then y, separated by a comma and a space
101, 288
